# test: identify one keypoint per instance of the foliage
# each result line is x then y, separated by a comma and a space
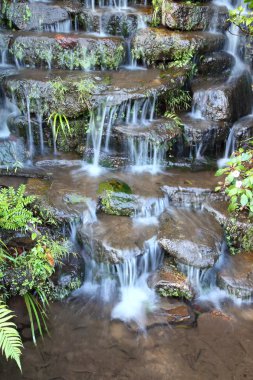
10, 341
14, 213
243, 19
238, 183
37, 312
157, 4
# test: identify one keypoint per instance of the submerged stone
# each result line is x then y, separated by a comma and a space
74, 198
237, 277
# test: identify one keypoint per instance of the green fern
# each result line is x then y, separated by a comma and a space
10, 341
13, 208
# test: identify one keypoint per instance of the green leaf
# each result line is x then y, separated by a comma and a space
244, 200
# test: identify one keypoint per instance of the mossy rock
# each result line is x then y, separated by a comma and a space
114, 185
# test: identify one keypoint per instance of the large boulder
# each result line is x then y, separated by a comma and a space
215, 63
192, 238
193, 16
154, 45
223, 101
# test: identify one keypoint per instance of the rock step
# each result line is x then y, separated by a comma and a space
67, 51
83, 90
123, 22
203, 136
156, 45
157, 131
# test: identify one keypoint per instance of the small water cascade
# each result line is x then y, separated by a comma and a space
3, 56
7, 110
229, 149
134, 113
150, 210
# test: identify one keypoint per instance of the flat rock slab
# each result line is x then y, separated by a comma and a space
237, 278
183, 196
192, 238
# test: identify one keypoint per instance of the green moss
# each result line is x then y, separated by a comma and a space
114, 185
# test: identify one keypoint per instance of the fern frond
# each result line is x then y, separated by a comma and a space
10, 341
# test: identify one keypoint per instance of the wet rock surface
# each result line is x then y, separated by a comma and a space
221, 101
169, 282
183, 236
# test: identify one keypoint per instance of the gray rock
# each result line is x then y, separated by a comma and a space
191, 16
68, 51
216, 63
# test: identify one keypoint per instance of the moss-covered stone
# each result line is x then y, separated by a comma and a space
116, 203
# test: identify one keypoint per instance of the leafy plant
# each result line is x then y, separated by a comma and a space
10, 341
14, 213
177, 100
238, 183
243, 20
174, 117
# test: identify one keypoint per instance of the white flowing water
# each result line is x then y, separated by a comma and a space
144, 154
229, 148
7, 110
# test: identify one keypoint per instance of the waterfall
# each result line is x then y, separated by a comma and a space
59, 27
